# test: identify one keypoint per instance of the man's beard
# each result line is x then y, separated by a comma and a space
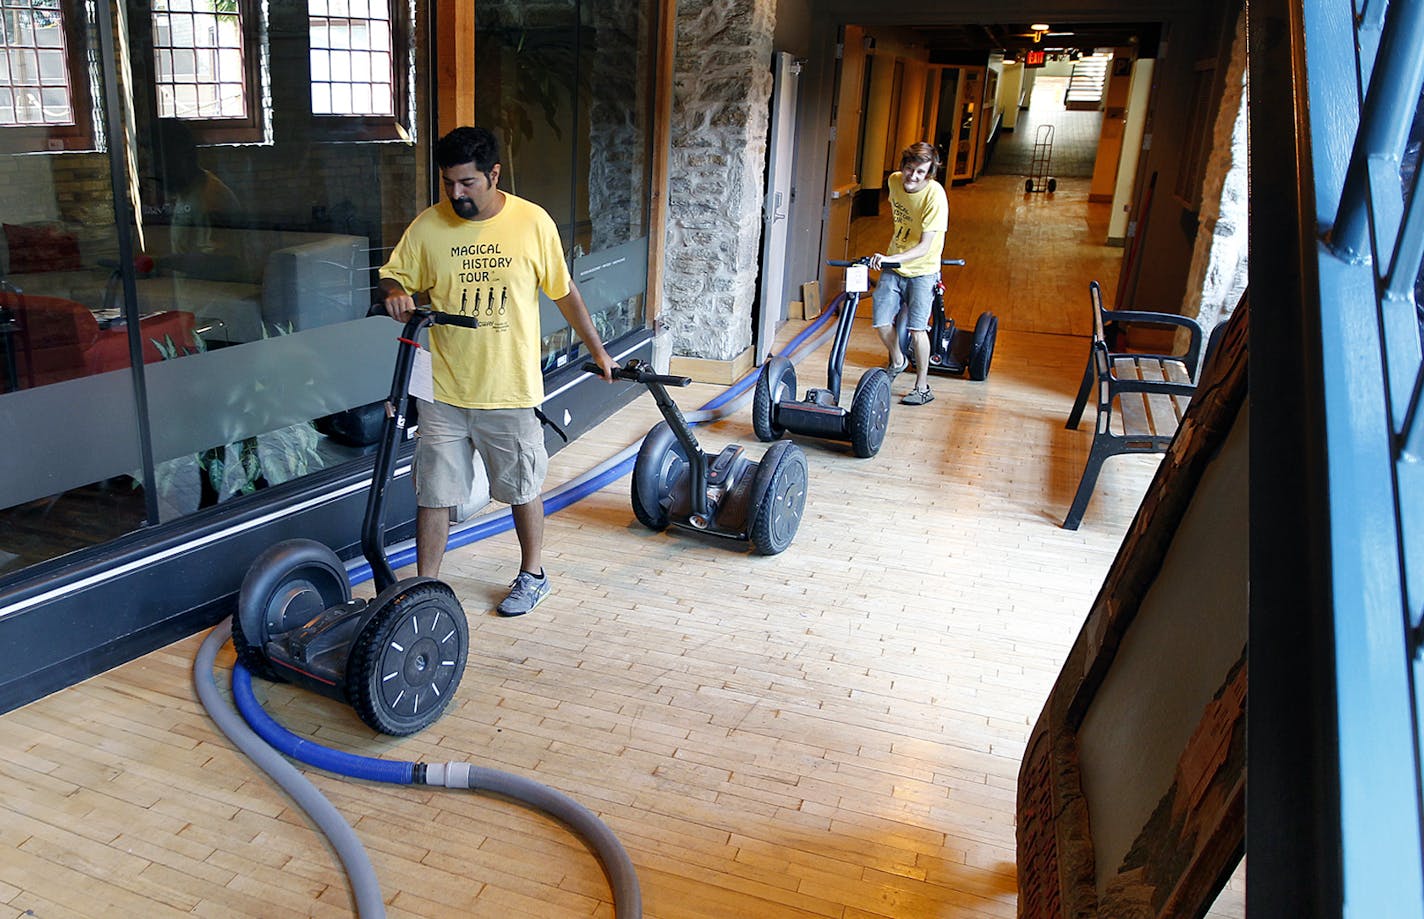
465, 207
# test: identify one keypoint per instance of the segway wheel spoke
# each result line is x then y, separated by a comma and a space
409, 658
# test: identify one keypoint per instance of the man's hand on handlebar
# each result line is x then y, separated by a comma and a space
875, 261
399, 304
606, 365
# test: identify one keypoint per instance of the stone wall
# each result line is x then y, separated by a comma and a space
717, 170
1217, 278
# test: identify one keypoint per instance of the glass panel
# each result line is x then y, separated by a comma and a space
67, 402
569, 95
247, 297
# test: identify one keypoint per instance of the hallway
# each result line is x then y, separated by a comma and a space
1075, 135
830, 732
1028, 257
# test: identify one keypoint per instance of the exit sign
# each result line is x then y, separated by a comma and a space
1035, 58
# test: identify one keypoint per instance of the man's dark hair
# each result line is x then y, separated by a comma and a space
468, 145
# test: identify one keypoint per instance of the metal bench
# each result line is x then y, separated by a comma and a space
1150, 392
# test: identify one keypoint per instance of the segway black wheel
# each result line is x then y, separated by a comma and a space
286, 586
869, 412
776, 383
981, 354
779, 496
406, 663
661, 462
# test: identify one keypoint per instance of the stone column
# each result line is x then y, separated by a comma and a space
721, 102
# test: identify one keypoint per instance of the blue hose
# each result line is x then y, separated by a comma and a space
313, 754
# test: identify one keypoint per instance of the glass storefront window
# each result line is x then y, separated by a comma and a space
233, 246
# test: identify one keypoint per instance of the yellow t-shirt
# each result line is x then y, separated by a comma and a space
493, 269
925, 211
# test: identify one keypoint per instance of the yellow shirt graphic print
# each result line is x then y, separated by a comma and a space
927, 210
491, 269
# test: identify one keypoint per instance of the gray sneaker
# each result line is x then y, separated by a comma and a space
896, 369
527, 592
918, 397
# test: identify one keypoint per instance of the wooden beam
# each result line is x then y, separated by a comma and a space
455, 64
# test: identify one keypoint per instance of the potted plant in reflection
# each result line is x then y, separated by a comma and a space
237, 468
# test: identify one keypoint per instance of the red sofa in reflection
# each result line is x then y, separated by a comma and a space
56, 339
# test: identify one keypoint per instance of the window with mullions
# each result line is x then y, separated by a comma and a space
356, 74
44, 86
204, 66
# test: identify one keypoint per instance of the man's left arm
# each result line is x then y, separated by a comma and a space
572, 306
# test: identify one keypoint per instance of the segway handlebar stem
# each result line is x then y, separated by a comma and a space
635, 371
373, 529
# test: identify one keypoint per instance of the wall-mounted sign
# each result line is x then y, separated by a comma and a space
1035, 58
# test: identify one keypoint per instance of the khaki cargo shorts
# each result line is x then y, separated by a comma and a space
510, 441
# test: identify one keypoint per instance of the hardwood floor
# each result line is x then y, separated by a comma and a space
833, 732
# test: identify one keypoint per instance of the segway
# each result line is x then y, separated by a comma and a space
729, 495
397, 658
953, 350
776, 410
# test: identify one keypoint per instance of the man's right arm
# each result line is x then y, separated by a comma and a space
399, 304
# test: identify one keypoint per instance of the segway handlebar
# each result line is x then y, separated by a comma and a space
885, 263
439, 318
863, 260
635, 371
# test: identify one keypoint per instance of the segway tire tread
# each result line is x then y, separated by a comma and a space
779, 498
652, 479
981, 356
407, 662
869, 412
777, 377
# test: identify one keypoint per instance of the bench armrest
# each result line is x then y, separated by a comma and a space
1141, 317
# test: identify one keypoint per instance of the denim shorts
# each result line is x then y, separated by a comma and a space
510, 442
916, 293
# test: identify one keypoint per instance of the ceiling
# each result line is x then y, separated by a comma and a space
947, 42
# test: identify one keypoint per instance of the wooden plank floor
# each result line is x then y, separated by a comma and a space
831, 732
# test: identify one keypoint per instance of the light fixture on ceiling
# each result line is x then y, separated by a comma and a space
1039, 29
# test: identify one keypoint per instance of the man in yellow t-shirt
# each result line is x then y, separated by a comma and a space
487, 253
921, 212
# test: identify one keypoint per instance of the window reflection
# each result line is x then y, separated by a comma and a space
568, 91
252, 244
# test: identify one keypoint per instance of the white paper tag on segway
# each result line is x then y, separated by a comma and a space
422, 377
857, 279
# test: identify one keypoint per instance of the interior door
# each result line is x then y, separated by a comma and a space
842, 182
786, 79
